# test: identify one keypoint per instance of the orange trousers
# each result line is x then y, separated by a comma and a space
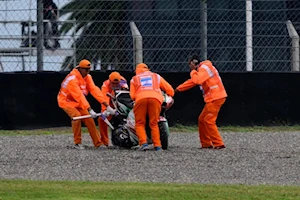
152, 108
103, 128
208, 130
76, 126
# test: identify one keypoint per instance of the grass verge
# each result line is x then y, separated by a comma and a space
78, 190
176, 128
182, 128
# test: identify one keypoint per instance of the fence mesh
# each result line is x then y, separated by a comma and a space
171, 30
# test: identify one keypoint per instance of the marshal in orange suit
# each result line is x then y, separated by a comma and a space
145, 90
206, 76
72, 99
114, 82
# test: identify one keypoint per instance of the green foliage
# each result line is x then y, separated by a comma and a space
77, 190
96, 21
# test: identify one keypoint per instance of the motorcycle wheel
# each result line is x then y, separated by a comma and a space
164, 134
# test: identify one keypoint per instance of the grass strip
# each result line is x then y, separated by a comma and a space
85, 190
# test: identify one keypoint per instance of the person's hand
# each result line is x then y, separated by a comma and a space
106, 113
111, 110
176, 92
92, 113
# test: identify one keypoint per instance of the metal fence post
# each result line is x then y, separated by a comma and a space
203, 30
137, 44
74, 42
40, 35
295, 45
249, 35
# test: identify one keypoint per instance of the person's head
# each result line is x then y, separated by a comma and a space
84, 67
47, 3
193, 61
141, 67
115, 78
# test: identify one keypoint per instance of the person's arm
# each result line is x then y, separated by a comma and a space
95, 90
165, 86
188, 84
132, 90
202, 75
98, 95
105, 90
55, 10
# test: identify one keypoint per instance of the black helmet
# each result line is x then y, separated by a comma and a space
120, 137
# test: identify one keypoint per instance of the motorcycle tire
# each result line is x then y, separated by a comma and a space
164, 134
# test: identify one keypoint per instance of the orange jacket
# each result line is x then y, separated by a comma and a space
207, 76
147, 84
74, 88
106, 88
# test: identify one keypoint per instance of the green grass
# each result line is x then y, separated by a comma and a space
181, 128
45, 131
78, 190
176, 128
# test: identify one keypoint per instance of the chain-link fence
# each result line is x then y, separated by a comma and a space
237, 35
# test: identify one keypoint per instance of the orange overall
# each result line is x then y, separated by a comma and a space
145, 90
214, 93
107, 88
71, 98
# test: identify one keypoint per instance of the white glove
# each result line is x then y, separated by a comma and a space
111, 110
92, 112
106, 113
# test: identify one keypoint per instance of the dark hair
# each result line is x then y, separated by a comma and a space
195, 58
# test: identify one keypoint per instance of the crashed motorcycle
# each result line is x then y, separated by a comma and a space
123, 133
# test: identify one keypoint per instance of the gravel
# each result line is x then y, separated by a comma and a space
250, 158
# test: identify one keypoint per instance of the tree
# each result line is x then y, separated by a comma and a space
100, 26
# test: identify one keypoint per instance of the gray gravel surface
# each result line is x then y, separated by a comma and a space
250, 158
